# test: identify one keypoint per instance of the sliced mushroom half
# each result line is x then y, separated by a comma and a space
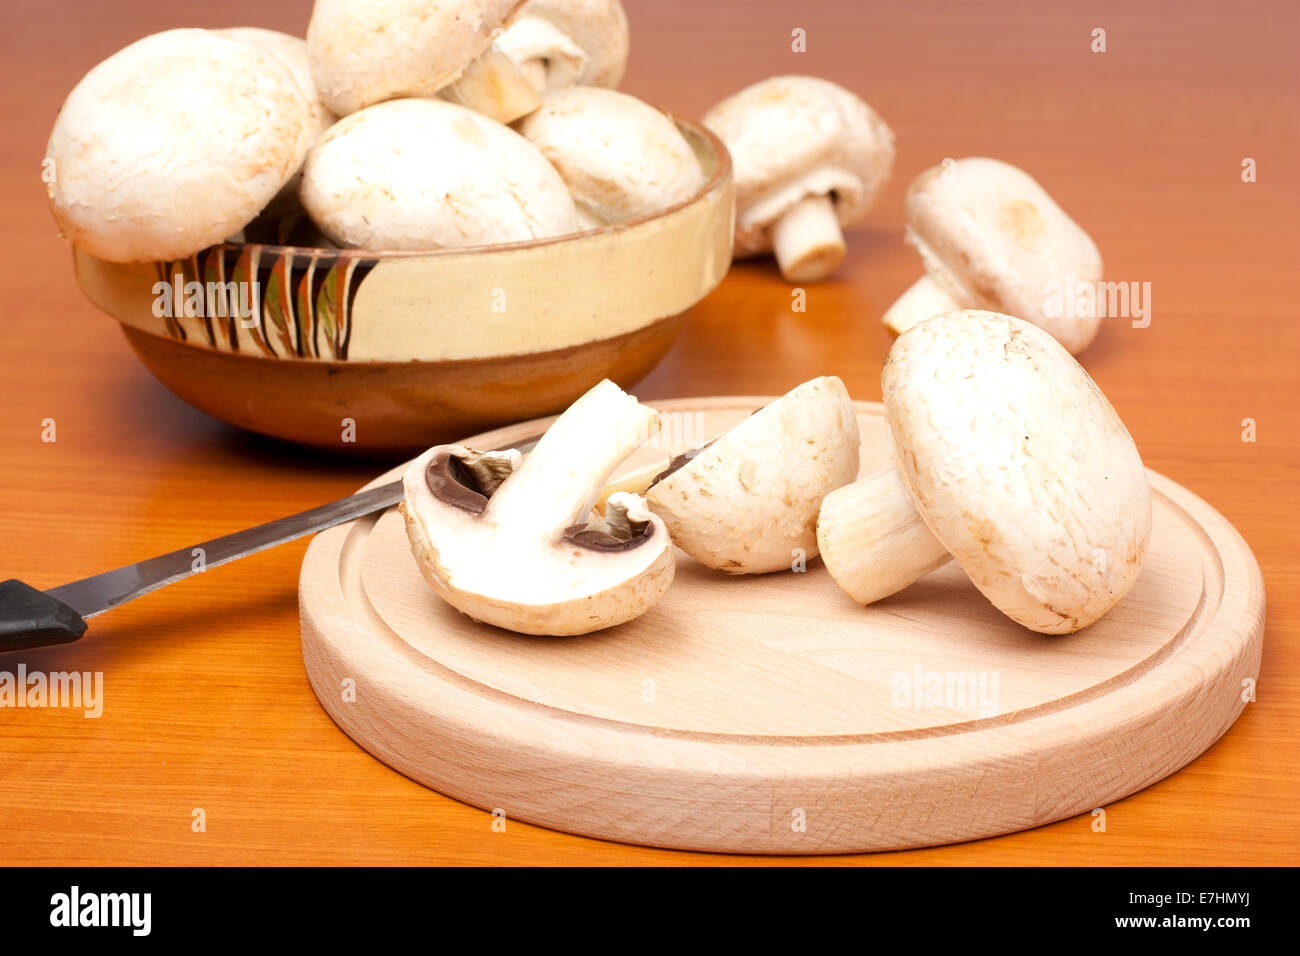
510, 540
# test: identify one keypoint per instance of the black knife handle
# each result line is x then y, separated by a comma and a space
31, 618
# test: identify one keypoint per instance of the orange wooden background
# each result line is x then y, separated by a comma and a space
206, 703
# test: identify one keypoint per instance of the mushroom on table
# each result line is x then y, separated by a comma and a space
991, 237
810, 157
559, 43
363, 52
136, 168
427, 174
1009, 459
619, 157
511, 541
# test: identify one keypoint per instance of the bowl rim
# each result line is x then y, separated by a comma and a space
721, 173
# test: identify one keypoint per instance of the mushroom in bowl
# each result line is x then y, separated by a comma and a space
449, 291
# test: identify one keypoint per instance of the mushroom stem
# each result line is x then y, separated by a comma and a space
540, 48
494, 86
807, 240
923, 299
635, 482
872, 539
535, 72
562, 477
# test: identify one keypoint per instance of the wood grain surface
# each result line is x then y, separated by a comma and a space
206, 702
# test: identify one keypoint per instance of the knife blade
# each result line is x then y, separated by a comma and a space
34, 618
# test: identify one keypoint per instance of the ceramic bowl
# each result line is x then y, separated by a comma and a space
390, 352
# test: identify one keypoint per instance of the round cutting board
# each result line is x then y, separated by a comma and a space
772, 714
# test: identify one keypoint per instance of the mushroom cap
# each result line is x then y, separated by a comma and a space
531, 585
367, 51
597, 30
172, 144
746, 501
1019, 465
791, 137
292, 52
994, 239
427, 174
619, 157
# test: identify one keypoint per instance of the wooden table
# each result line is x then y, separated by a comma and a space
206, 705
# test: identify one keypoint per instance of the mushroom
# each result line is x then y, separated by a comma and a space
510, 543
292, 52
809, 157
1009, 459
559, 43
363, 52
619, 156
172, 144
991, 238
747, 501
427, 174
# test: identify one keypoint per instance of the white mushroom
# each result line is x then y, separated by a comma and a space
991, 238
510, 544
1018, 466
364, 52
809, 158
172, 144
292, 52
559, 43
426, 174
619, 157
747, 501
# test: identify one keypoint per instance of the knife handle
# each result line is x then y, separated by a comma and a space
31, 618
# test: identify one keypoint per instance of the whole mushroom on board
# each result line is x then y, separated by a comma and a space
559, 43
1008, 458
747, 501
620, 157
809, 158
992, 238
510, 542
364, 52
427, 174
172, 144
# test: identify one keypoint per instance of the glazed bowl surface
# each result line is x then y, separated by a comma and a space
382, 352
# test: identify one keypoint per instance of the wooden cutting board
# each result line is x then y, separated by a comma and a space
772, 714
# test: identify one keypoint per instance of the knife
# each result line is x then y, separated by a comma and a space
33, 618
